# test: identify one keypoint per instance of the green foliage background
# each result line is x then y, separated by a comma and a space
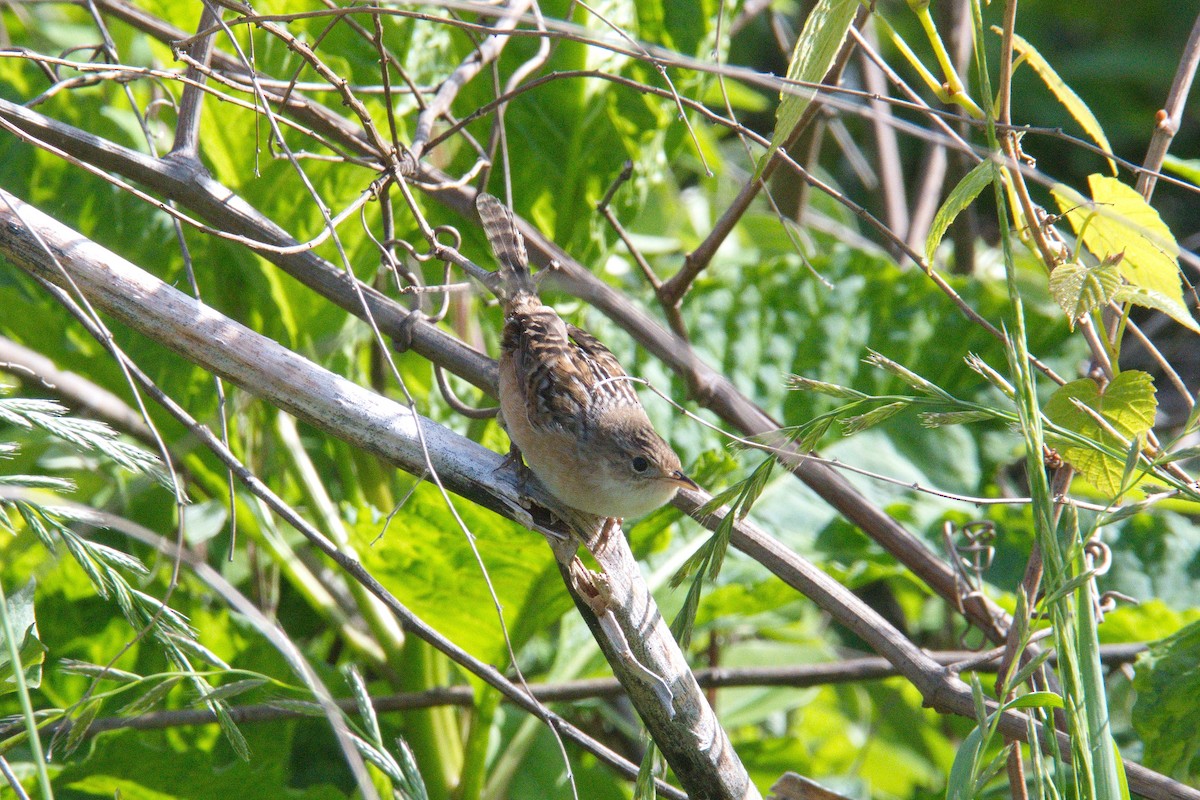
758, 314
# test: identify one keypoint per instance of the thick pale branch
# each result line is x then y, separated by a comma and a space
397, 434
709, 387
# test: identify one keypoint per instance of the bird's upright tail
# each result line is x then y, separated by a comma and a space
509, 247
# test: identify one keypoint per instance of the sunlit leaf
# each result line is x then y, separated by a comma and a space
1127, 405
1148, 298
817, 46
1119, 221
1080, 289
959, 198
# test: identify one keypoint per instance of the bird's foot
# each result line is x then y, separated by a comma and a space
515, 462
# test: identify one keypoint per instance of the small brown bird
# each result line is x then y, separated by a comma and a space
565, 401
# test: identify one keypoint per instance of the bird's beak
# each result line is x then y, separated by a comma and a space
677, 477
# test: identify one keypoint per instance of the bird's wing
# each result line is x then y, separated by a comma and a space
610, 385
569, 378
556, 390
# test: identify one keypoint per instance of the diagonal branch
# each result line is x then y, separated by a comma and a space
671, 293
708, 386
388, 430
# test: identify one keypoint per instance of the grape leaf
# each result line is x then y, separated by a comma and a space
1127, 404
1080, 289
1118, 220
1164, 714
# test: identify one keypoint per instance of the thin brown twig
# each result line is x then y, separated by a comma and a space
675, 287
1170, 116
887, 148
187, 126
674, 317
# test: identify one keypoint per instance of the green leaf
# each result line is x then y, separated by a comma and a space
428, 563
30, 650
1065, 95
817, 46
1079, 289
1186, 168
959, 198
1164, 714
959, 783
1036, 700
1127, 405
1119, 221
1148, 298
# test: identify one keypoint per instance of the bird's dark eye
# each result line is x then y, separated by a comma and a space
640, 464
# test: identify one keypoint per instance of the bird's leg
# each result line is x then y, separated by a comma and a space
514, 461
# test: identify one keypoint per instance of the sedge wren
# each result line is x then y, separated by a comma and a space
567, 405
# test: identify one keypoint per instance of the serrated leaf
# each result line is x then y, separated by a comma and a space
1148, 298
30, 651
1118, 220
1079, 289
1065, 95
1167, 683
816, 47
959, 198
1127, 404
